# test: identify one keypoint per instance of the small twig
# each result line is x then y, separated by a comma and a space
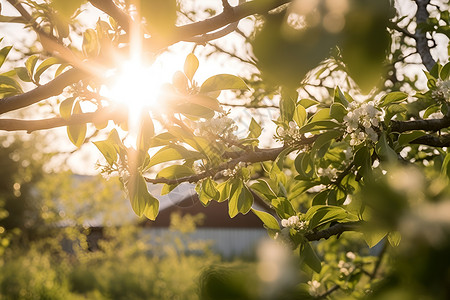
380, 258
421, 37
329, 292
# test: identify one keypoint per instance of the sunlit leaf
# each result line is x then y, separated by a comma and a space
175, 171
30, 64
255, 129
65, 108
77, 132
394, 238
269, 221
190, 65
300, 115
146, 132
108, 150
223, 82
44, 66
173, 152
90, 43
393, 97
9, 86
4, 53
22, 73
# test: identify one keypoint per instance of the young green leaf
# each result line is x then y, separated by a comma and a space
65, 108
77, 132
299, 115
22, 73
30, 64
190, 65
338, 112
223, 82
269, 221
394, 97
309, 257
44, 66
255, 129
108, 150
3, 54
173, 152
175, 171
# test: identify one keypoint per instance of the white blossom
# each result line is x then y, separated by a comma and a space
221, 126
314, 286
442, 91
327, 172
360, 121
294, 222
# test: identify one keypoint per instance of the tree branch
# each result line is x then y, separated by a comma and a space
52, 88
108, 7
427, 125
228, 16
421, 37
258, 155
33, 125
335, 229
432, 140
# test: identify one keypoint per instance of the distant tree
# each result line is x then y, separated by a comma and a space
360, 136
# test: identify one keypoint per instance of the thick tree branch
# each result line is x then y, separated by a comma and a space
33, 125
259, 155
228, 16
432, 140
421, 37
108, 7
335, 229
52, 88
427, 125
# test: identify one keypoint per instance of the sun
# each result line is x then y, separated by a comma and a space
135, 84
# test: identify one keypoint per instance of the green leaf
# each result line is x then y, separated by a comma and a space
304, 165
269, 221
324, 138
263, 188
393, 97
205, 101
300, 115
322, 214
307, 102
338, 112
223, 82
407, 137
108, 150
173, 152
208, 191
9, 86
77, 132
30, 64
175, 171
320, 115
283, 207
384, 151
339, 97
392, 110
146, 132
180, 81
3, 54
445, 169
255, 129
445, 72
23, 74
44, 66
195, 111
241, 199
90, 43
309, 257
224, 189
373, 236
191, 65
394, 238
65, 108
142, 202
430, 110
319, 125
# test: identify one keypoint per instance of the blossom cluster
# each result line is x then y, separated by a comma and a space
294, 222
346, 268
291, 133
222, 126
233, 172
442, 91
314, 287
360, 121
329, 172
